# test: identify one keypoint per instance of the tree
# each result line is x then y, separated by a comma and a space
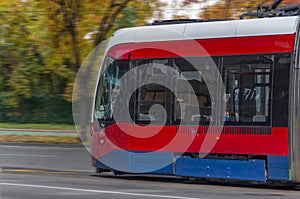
233, 9
120, 14
71, 20
78, 26
21, 61
43, 43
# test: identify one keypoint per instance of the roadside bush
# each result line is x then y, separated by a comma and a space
38, 109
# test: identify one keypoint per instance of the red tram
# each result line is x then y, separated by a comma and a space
232, 85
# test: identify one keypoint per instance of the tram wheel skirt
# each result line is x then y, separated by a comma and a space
224, 169
273, 168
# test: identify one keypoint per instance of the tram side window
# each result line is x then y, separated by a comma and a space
281, 90
109, 88
153, 77
247, 82
193, 102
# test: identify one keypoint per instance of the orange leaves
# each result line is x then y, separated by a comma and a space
232, 9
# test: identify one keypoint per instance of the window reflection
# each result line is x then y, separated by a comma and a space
248, 87
250, 91
109, 88
153, 77
192, 93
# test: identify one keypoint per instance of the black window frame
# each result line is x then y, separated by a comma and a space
277, 117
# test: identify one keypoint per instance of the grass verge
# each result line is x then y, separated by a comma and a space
41, 139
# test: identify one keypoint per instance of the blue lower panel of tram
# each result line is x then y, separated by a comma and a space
278, 167
224, 169
163, 163
137, 162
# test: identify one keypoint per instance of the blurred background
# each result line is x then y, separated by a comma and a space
43, 43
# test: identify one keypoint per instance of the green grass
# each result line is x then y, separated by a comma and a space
38, 126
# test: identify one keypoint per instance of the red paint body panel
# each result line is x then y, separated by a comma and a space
205, 47
169, 139
191, 139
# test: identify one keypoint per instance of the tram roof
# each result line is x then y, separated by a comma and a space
207, 30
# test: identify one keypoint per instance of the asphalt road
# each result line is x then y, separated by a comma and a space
46, 172
42, 156
73, 185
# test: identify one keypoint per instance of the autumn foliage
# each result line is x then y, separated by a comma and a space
42, 45
232, 9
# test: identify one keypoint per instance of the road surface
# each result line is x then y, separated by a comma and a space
64, 172
43, 156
